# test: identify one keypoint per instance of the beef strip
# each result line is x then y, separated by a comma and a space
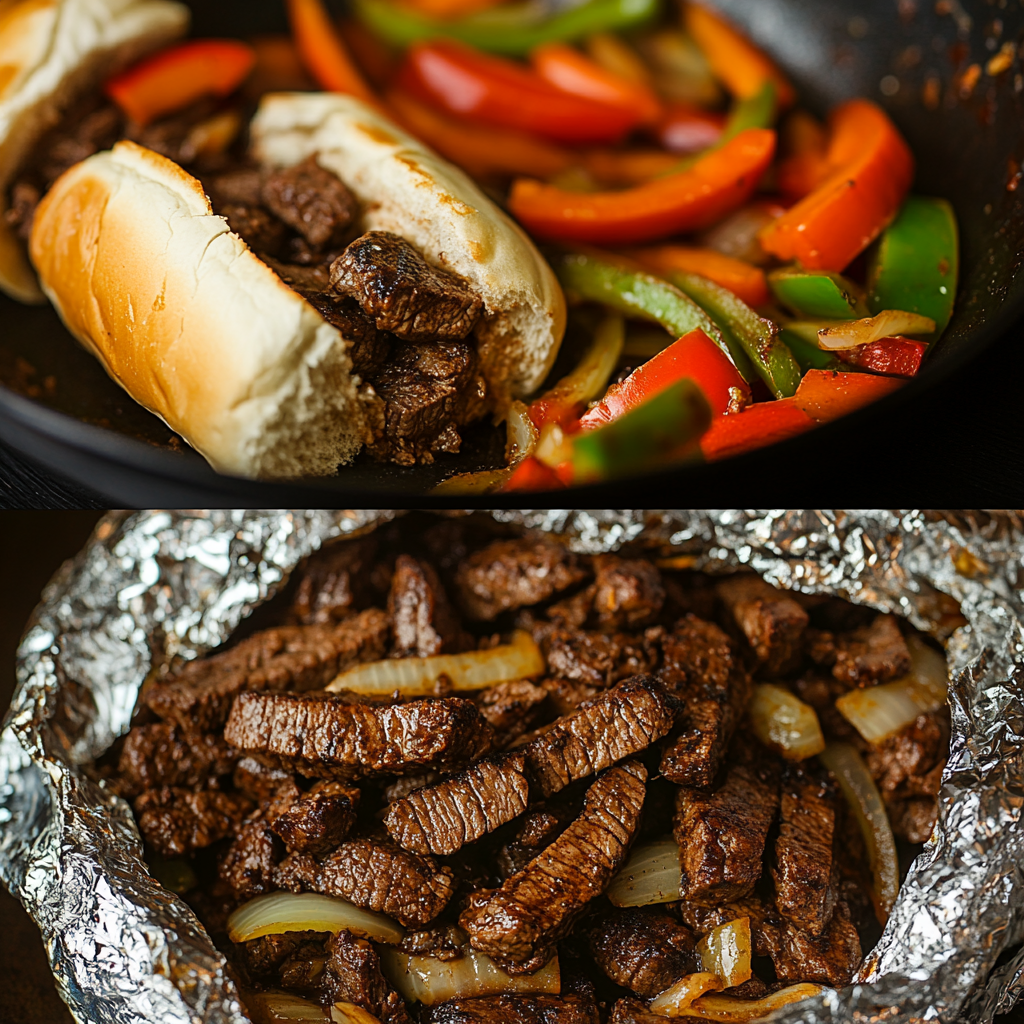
442, 942
511, 1009
441, 819
512, 708
257, 227
765, 924
628, 592
632, 1011
402, 293
291, 960
566, 696
871, 654
319, 819
519, 922
159, 755
772, 622
406, 784
198, 698
247, 865
721, 835
423, 621
597, 659
620, 723
312, 201
511, 573
643, 949
539, 829
176, 821
309, 281
352, 974
333, 583
258, 782
298, 872
368, 348
324, 736
803, 850
830, 959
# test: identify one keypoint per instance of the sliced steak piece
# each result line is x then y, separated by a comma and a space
198, 698
406, 784
368, 348
176, 821
308, 281
802, 871
291, 960
765, 923
160, 755
508, 1009
772, 622
628, 592
539, 829
632, 1011
258, 782
512, 708
566, 695
256, 226
423, 621
397, 288
312, 201
872, 654
442, 942
442, 818
830, 959
319, 819
643, 949
324, 736
597, 659
520, 922
620, 723
512, 573
333, 583
237, 185
352, 974
298, 872
721, 835
247, 865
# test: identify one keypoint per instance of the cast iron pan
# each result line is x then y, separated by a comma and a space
912, 56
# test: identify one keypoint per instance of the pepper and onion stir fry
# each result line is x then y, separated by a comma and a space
737, 271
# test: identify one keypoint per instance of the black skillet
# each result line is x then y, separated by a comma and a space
60, 409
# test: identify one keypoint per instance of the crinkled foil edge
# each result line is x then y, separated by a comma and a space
157, 586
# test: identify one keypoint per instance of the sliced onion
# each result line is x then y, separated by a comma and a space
283, 1008
554, 447
784, 722
299, 912
674, 1000
725, 952
888, 324
880, 711
854, 779
425, 979
651, 875
349, 1013
737, 1011
473, 670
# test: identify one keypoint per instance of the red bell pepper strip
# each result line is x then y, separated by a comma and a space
497, 91
694, 356
872, 168
825, 395
685, 201
757, 427
174, 78
532, 475
323, 52
897, 357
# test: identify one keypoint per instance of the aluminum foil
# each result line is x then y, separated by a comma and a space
154, 587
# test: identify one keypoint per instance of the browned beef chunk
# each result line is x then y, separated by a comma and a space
179, 136
443, 818
298, 872
620, 723
568, 1009
247, 865
803, 850
643, 949
721, 835
158, 755
821, 693
628, 592
257, 227
241, 185
401, 292
406, 784
91, 125
308, 281
423, 620
566, 696
765, 926
872, 654
291, 960
512, 573
772, 622
368, 348
319, 819
831, 959
539, 829
198, 698
258, 782
512, 708
632, 1011
312, 201
353, 975
443, 942
520, 922
176, 821
324, 736
908, 770
597, 659
21, 212
334, 582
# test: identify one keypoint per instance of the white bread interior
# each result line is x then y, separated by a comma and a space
190, 322
409, 190
52, 52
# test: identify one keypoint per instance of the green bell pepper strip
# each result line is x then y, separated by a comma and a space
665, 428
806, 352
600, 278
513, 30
916, 263
817, 295
758, 337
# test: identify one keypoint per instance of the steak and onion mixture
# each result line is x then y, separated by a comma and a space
471, 776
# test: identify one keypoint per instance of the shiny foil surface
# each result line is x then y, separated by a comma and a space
155, 587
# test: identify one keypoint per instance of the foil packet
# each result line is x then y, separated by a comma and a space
155, 587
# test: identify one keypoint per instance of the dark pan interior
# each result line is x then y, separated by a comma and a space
912, 56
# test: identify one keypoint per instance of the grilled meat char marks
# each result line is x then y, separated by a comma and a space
519, 923
772, 622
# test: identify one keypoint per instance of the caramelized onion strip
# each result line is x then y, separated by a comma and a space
731, 1010
651, 875
784, 722
297, 912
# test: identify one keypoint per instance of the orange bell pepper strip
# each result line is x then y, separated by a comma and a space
744, 280
323, 52
757, 427
694, 356
826, 395
686, 201
481, 152
174, 78
615, 168
804, 150
572, 72
872, 169
532, 475
734, 60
